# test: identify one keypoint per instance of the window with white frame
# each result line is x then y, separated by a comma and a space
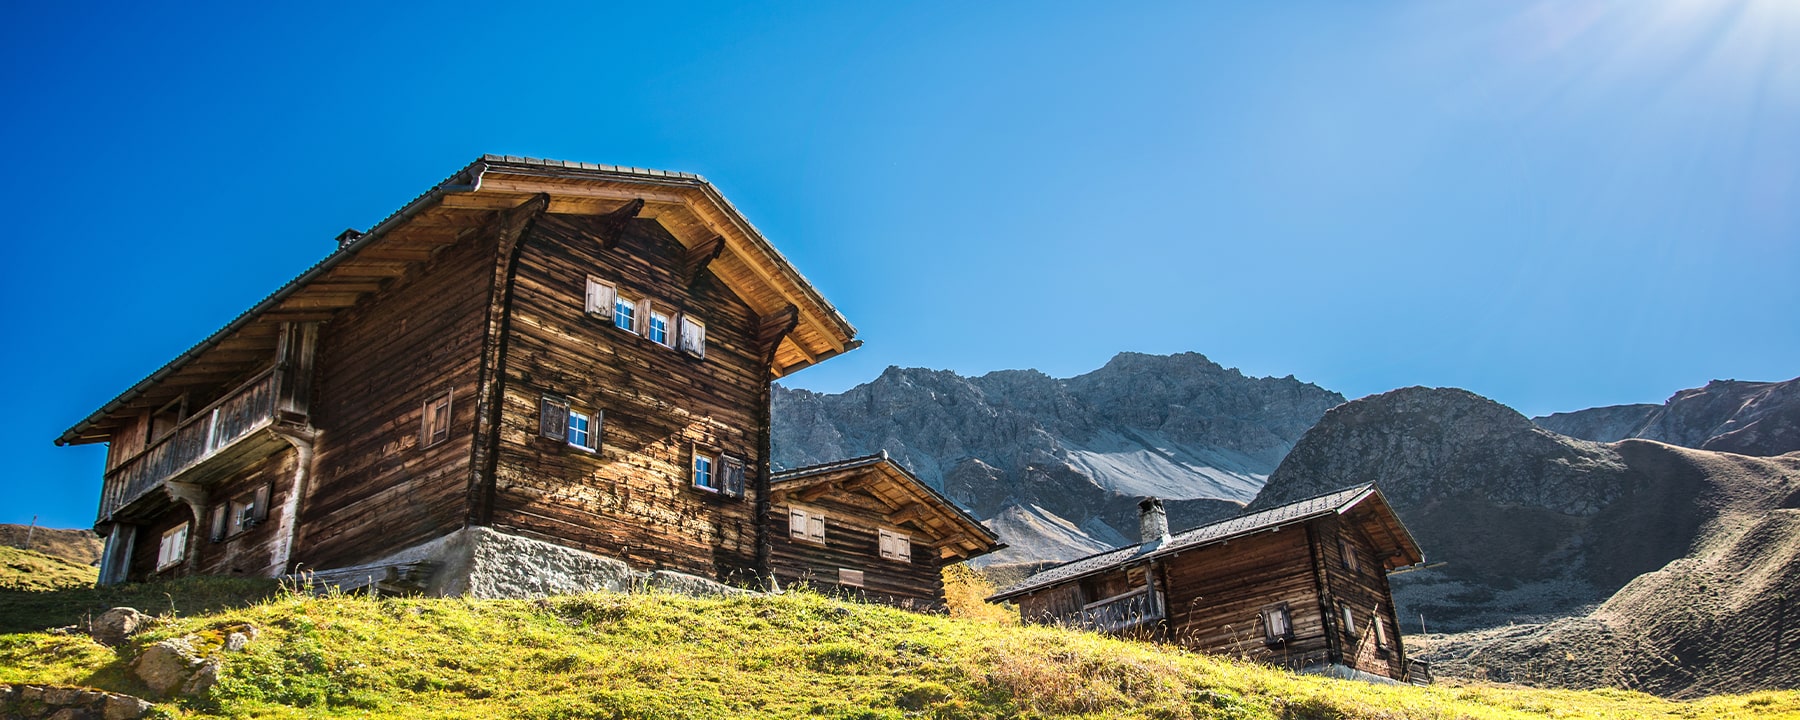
658, 328
173, 548
895, 546
1348, 616
704, 475
806, 525
1380, 630
625, 313
693, 336
581, 429
1277, 624
559, 420
434, 427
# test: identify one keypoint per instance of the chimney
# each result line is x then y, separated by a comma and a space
348, 236
1153, 523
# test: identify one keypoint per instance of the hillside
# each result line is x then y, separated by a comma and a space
1056, 465
29, 570
662, 656
1747, 418
1691, 552
80, 546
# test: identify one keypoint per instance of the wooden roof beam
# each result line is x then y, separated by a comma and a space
611, 226
696, 258
815, 492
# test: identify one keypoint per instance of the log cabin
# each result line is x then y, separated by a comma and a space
868, 528
567, 357
1303, 585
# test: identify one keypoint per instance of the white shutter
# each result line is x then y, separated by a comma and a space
815, 528
600, 298
797, 524
903, 548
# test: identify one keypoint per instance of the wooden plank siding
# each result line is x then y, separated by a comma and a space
374, 488
1366, 591
852, 542
252, 552
633, 499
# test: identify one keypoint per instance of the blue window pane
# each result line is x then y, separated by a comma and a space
578, 430
624, 314
659, 329
703, 472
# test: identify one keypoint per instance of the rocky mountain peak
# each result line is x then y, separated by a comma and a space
1736, 416
1064, 452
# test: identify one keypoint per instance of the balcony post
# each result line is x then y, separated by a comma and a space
115, 560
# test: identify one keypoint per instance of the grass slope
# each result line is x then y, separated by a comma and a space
798, 655
30, 570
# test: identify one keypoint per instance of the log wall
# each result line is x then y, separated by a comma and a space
252, 551
852, 541
375, 488
1366, 591
632, 498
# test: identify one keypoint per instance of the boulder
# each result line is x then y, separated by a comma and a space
168, 665
117, 625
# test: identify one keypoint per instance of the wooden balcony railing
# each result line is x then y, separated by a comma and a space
247, 409
1120, 612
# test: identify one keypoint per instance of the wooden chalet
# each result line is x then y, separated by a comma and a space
1303, 585
867, 528
568, 353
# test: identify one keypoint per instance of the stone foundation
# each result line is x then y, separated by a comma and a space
482, 562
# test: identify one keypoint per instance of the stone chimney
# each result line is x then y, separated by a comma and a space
1153, 522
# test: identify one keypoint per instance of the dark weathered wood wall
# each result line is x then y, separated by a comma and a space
374, 488
852, 541
633, 499
1215, 595
250, 553
1366, 591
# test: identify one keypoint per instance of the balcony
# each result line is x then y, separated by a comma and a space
1119, 612
217, 439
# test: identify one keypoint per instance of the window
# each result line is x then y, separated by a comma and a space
720, 473
1277, 624
693, 336
703, 471
1349, 618
625, 315
581, 430
807, 525
435, 427
659, 328
896, 546
850, 578
1347, 553
173, 548
241, 513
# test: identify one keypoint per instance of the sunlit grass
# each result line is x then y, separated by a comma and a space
798, 655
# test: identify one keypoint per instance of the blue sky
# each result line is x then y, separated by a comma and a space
1556, 205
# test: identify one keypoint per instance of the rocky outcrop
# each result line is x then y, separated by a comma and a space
116, 625
52, 702
1747, 418
1061, 463
1634, 564
190, 665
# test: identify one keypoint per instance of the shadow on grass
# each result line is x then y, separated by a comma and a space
34, 611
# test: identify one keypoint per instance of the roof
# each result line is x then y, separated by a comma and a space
688, 206
1339, 502
950, 519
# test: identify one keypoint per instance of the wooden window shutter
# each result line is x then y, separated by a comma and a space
903, 548
221, 514
600, 297
260, 511
642, 319
815, 528
693, 336
797, 523
734, 475
553, 418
